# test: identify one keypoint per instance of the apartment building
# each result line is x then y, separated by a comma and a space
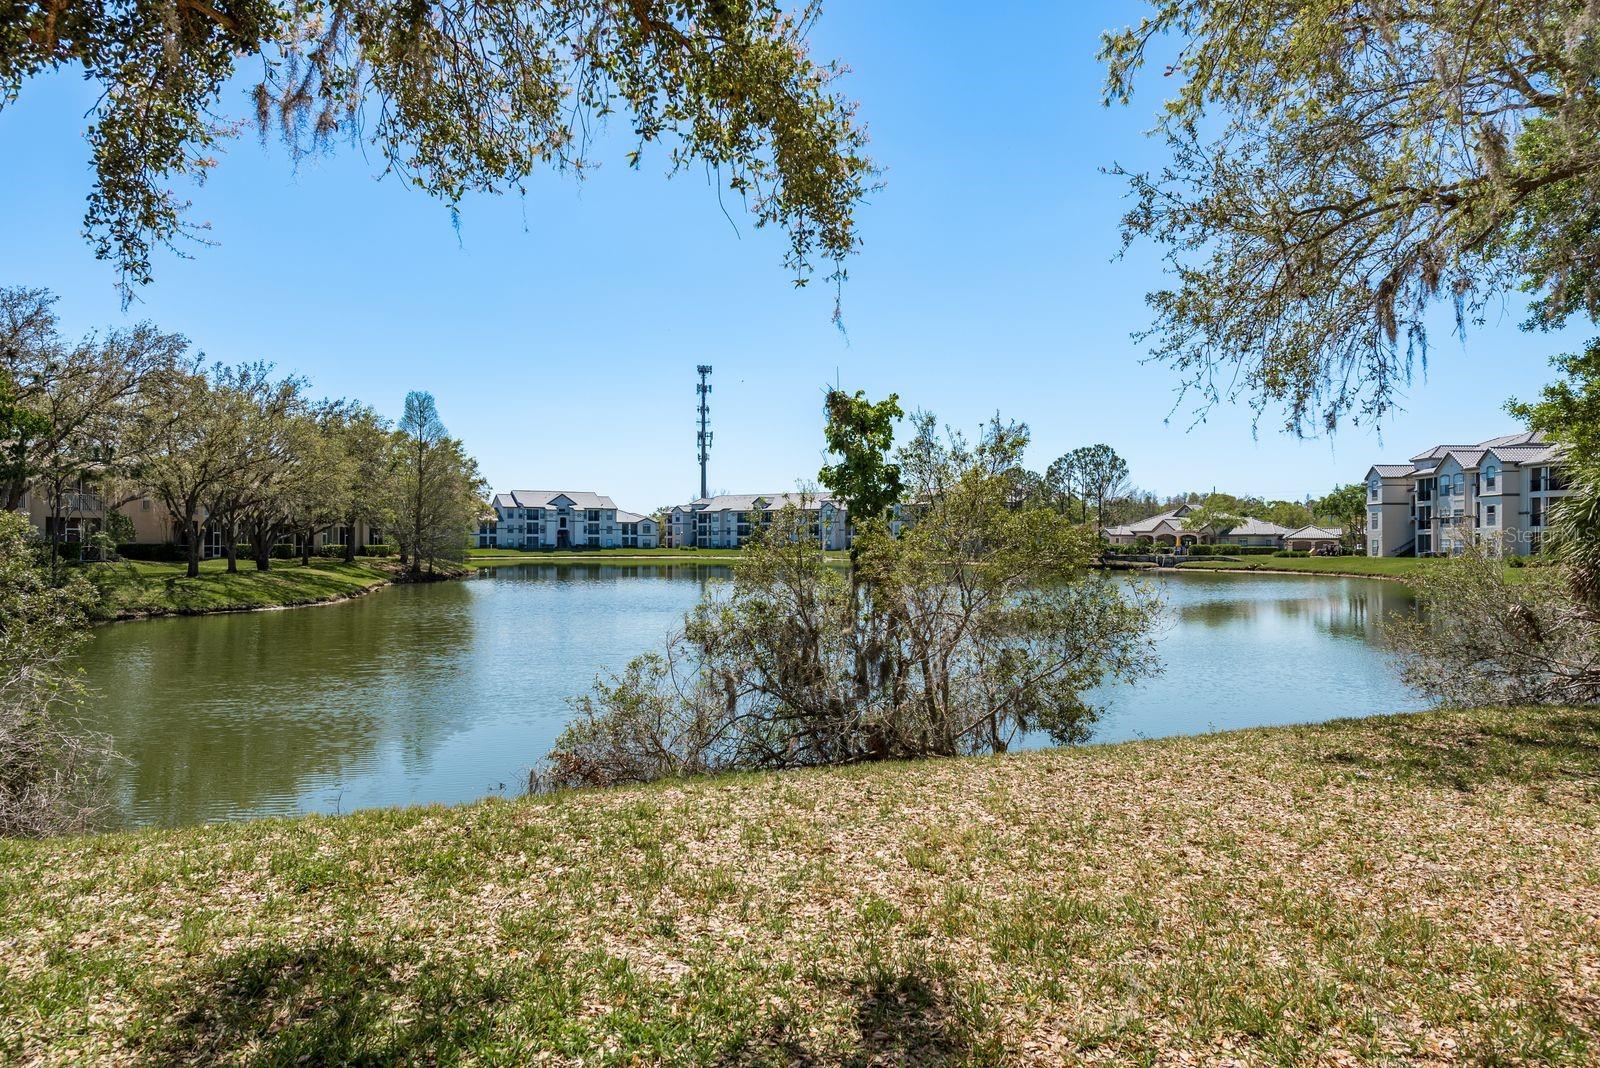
565, 519
724, 522
1500, 491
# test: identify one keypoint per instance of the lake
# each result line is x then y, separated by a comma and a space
448, 692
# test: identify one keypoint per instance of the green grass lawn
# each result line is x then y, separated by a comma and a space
137, 588
1403, 890
1379, 566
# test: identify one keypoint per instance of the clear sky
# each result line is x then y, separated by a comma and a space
560, 332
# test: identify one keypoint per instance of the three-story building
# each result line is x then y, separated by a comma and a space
1498, 491
567, 519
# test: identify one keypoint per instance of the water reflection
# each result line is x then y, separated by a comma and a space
447, 692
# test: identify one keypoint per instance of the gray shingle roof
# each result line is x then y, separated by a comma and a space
633, 517
542, 499
1393, 470
746, 502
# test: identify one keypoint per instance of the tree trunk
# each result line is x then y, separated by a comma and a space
194, 550
350, 542
231, 532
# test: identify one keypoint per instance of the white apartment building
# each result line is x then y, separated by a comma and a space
1500, 490
725, 522
565, 519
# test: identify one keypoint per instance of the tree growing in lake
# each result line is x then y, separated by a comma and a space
454, 98
978, 623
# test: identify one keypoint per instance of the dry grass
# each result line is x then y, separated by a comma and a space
1419, 889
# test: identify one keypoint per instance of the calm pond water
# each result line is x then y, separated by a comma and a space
448, 692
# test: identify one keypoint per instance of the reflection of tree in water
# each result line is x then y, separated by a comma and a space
1343, 608
220, 715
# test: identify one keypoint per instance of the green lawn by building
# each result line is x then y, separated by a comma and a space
1378, 566
137, 588
1404, 890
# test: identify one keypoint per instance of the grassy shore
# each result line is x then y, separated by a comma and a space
1415, 889
1367, 566
133, 589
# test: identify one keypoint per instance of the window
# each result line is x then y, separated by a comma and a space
1491, 476
1374, 488
1372, 520
1488, 516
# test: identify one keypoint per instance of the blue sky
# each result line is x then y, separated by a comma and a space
560, 332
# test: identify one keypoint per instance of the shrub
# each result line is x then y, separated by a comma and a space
1292, 553
53, 776
283, 550
1202, 550
330, 552
1517, 561
69, 550
375, 550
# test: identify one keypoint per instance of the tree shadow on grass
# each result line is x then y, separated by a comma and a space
900, 1018
329, 1002
1473, 751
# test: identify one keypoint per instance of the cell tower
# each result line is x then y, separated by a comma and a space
704, 389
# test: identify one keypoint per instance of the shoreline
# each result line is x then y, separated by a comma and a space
970, 908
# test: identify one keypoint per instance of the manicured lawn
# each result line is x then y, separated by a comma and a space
1415, 889
1381, 566
136, 588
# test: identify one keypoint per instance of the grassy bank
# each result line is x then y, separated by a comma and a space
1363, 566
132, 589
1411, 889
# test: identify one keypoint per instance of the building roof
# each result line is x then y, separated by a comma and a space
1312, 534
1523, 439
633, 517
1393, 470
1528, 454
1147, 526
1256, 528
543, 499
748, 502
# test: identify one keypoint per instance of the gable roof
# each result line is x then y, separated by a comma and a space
544, 499
757, 502
1253, 527
633, 517
1312, 533
1392, 470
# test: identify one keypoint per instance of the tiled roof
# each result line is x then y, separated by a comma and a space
1145, 526
1393, 470
633, 517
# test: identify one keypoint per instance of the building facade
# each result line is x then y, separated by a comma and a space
1498, 491
726, 521
564, 519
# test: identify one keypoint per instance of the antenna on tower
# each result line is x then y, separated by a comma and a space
704, 389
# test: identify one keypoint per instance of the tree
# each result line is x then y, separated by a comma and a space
65, 404
253, 417
861, 434
436, 492
1217, 513
1482, 639
1337, 168
1102, 475
1345, 506
367, 441
1291, 514
185, 436
1569, 411
53, 776
456, 99
981, 622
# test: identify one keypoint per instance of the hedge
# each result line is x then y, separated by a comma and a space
164, 552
